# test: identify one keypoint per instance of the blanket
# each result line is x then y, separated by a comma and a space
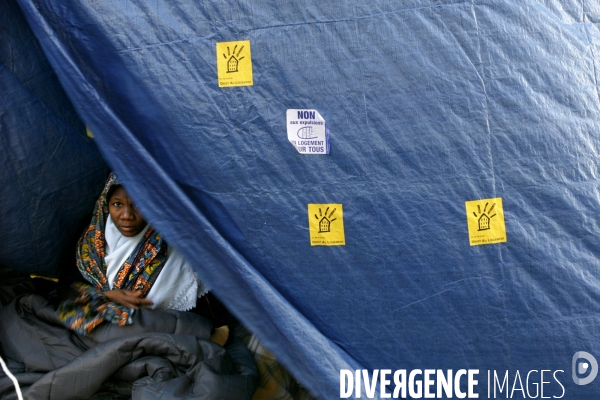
162, 355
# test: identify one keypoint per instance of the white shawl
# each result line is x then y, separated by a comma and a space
176, 287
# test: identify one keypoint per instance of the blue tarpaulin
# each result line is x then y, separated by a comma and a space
429, 104
51, 172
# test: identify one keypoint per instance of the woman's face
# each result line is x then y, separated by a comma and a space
124, 214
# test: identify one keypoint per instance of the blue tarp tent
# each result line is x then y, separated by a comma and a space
433, 108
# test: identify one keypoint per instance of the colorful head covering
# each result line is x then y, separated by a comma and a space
142, 267
138, 272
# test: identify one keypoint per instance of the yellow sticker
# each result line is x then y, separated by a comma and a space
234, 64
326, 225
485, 219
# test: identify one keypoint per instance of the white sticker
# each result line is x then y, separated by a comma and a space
307, 131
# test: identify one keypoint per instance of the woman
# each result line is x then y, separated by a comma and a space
128, 266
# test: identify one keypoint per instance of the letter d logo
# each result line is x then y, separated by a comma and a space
583, 367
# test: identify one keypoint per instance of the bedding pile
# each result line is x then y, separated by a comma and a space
163, 354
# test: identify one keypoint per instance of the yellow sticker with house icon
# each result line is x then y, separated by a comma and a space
326, 225
234, 64
485, 219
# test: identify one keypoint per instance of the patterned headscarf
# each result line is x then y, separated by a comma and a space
141, 268
138, 272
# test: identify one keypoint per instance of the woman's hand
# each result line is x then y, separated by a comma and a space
128, 298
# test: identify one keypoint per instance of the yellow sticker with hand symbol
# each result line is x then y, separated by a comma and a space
234, 64
485, 220
326, 225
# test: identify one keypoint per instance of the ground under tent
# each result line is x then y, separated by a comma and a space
444, 214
